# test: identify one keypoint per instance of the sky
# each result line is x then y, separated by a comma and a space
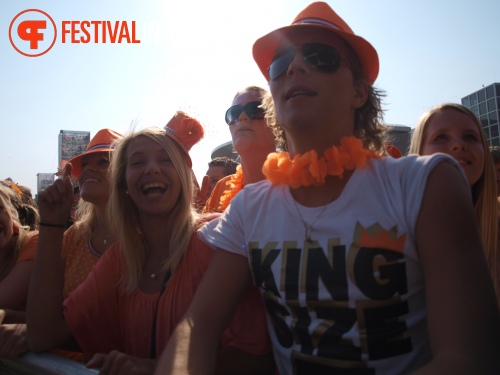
197, 55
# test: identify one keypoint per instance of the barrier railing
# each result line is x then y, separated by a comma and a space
43, 364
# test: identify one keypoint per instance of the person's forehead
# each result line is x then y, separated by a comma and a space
95, 155
452, 119
245, 98
215, 171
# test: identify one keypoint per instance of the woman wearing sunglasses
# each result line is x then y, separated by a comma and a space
252, 139
367, 265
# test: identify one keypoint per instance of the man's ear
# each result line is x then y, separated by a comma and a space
361, 91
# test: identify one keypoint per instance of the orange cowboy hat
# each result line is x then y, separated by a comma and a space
318, 15
185, 131
104, 141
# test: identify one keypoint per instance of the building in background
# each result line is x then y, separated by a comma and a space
485, 103
72, 143
44, 180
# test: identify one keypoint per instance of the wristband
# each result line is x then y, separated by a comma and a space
52, 225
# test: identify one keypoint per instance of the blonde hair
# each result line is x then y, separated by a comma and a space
10, 200
484, 192
125, 223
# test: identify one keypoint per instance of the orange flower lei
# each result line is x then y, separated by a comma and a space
308, 169
235, 186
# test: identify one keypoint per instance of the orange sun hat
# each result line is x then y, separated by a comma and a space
104, 141
318, 15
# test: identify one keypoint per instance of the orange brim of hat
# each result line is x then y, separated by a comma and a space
76, 162
265, 48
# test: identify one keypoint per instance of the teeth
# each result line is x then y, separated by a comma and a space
91, 180
154, 185
298, 93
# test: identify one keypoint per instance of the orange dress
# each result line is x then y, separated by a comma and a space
103, 318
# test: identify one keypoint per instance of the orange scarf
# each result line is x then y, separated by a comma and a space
235, 185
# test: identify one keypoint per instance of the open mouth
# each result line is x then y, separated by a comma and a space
90, 179
298, 92
463, 162
154, 188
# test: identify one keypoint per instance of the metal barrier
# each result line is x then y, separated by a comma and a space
43, 364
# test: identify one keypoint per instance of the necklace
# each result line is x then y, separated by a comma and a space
309, 227
104, 241
310, 170
92, 250
235, 185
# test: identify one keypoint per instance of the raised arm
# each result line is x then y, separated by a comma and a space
46, 325
192, 348
463, 318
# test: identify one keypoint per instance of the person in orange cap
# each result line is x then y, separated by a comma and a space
366, 264
125, 311
81, 246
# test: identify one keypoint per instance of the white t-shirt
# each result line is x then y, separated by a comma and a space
352, 300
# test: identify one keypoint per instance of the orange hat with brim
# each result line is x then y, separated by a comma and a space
318, 15
104, 141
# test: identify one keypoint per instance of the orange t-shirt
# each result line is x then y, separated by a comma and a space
103, 318
213, 202
28, 248
77, 258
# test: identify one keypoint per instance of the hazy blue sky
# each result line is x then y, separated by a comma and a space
430, 52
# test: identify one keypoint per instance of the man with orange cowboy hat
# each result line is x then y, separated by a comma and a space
366, 264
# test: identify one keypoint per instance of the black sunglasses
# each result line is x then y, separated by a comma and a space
318, 56
252, 110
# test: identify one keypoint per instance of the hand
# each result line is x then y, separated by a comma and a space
116, 363
56, 201
202, 193
13, 341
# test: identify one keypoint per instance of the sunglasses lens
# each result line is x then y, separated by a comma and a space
281, 62
251, 109
233, 114
322, 57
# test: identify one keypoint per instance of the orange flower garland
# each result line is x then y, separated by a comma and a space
235, 186
308, 169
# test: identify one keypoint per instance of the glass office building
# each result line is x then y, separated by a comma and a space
485, 104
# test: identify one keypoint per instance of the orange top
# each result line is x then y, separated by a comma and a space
103, 318
28, 248
213, 202
76, 257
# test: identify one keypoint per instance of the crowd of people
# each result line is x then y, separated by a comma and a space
320, 249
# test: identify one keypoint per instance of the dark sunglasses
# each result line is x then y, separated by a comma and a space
252, 110
318, 56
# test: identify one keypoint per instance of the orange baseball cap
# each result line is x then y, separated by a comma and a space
319, 15
104, 141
